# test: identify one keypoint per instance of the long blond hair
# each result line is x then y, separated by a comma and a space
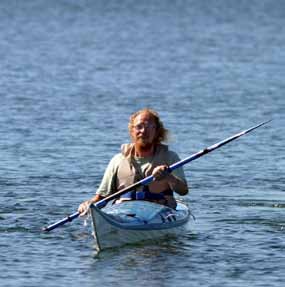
161, 131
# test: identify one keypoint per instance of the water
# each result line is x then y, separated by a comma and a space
71, 74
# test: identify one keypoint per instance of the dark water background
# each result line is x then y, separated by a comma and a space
72, 71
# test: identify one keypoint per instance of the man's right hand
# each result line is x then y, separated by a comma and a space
84, 207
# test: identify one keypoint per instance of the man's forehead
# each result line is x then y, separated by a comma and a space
145, 116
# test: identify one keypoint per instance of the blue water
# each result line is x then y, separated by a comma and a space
72, 71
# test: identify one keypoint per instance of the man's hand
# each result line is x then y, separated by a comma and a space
160, 172
84, 207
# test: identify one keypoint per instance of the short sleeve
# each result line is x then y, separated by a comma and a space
108, 183
174, 158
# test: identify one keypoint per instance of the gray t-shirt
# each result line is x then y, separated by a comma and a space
108, 182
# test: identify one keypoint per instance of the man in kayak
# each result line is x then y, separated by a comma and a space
145, 156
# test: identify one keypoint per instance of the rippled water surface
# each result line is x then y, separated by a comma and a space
71, 74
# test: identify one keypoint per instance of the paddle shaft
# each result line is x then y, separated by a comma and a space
151, 178
69, 218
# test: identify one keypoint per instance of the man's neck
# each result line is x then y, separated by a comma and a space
144, 151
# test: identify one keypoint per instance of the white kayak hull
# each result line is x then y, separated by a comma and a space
135, 221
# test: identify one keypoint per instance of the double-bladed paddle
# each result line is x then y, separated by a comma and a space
151, 178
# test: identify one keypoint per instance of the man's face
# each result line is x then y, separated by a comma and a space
144, 130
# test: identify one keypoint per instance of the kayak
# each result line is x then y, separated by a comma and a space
136, 220
133, 221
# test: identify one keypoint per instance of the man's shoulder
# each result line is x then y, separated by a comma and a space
168, 154
115, 161
173, 155
117, 158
